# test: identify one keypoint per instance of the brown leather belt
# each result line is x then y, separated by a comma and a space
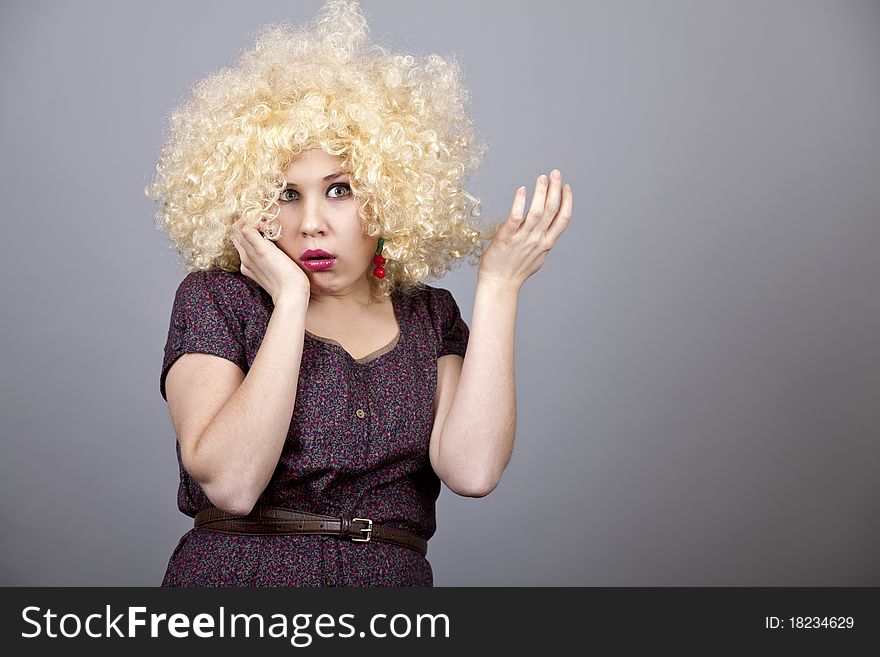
275, 520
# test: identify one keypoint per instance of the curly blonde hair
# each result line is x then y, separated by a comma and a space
400, 124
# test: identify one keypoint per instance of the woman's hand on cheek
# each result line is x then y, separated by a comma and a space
519, 247
270, 267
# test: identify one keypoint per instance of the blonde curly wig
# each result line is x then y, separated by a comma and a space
399, 123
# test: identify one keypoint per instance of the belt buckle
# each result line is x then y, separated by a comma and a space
368, 530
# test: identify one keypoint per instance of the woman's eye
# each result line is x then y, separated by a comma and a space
286, 193
342, 186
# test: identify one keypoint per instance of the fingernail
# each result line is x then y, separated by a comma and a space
555, 173
543, 178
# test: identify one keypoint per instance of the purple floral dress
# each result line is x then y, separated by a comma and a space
357, 444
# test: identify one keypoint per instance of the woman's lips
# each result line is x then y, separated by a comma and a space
317, 259
319, 264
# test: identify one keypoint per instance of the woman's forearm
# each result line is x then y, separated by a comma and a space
476, 439
240, 448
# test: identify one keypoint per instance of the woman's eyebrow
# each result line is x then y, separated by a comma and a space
332, 176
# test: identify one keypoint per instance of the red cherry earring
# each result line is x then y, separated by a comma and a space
378, 260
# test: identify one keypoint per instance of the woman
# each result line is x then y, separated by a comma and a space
319, 389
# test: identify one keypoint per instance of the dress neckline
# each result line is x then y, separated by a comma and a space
372, 356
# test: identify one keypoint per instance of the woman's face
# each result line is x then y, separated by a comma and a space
318, 211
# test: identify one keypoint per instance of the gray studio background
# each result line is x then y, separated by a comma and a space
697, 363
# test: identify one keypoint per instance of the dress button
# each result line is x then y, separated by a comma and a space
360, 412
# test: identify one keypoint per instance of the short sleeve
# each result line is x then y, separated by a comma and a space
452, 331
203, 320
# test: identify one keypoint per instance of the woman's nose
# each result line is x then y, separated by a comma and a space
313, 220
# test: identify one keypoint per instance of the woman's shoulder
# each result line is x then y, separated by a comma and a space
435, 304
233, 290
439, 311
215, 279
424, 296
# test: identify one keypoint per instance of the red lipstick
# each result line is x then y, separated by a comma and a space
317, 259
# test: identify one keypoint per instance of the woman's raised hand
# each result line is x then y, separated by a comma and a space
522, 242
262, 261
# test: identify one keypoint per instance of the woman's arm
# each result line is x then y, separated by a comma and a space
476, 435
237, 452
472, 443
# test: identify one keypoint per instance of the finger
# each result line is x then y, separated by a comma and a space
537, 206
518, 209
234, 231
236, 237
551, 206
560, 222
250, 234
258, 241
242, 255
